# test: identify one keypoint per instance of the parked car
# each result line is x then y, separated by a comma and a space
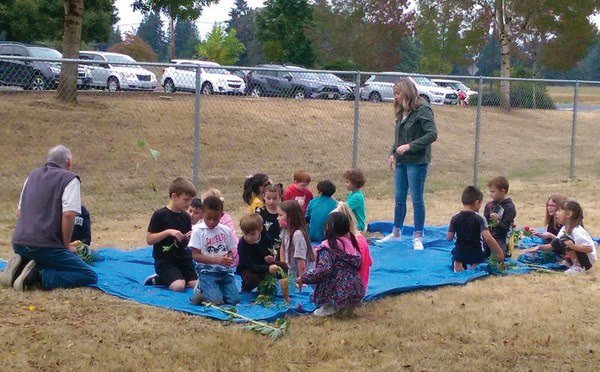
379, 88
34, 75
213, 78
108, 75
297, 83
345, 88
456, 86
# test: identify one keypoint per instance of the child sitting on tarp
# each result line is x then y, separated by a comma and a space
468, 226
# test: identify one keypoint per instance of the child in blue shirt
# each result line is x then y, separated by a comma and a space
318, 210
354, 180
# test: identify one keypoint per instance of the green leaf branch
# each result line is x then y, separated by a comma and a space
278, 329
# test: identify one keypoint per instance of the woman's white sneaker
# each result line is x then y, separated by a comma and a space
418, 243
389, 238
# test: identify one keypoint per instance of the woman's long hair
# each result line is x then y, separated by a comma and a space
557, 199
296, 221
411, 95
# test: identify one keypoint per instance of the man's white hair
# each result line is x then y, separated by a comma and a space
59, 155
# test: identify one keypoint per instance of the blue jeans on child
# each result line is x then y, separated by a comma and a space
60, 267
410, 177
218, 287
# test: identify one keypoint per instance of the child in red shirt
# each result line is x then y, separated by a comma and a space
299, 190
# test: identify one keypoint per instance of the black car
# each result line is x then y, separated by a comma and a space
34, 75
289, 81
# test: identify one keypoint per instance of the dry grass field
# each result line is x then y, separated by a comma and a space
588, 94
531, 322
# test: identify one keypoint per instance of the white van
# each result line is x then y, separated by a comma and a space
108, 75
213, 78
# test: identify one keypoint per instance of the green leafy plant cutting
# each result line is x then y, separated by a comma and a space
83, 251
274, 331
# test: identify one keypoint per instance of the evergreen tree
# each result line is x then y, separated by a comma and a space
186, 39
280, 26
242, 20
151, 31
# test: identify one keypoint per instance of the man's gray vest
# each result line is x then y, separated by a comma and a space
40, 221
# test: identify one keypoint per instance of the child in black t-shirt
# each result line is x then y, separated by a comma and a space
469, 226
272, 197
255, 252
169, 232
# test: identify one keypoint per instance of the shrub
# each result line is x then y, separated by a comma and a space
136, 48
521, 95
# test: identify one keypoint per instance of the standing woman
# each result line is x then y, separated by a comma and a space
410, 156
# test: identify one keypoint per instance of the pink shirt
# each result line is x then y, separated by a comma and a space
366, 261
228, 221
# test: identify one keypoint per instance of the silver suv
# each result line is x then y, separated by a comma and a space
108, 75
379, 88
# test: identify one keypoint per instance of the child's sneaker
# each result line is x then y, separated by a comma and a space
389, 238
325, 310
418, 243
565, 263
575, 270
29, 278
11, 272
151, 280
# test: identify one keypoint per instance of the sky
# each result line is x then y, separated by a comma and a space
130, 20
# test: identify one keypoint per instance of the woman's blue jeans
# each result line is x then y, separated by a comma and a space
410, 177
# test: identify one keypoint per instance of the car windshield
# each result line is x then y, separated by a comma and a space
461, 86
331, 78
307, 75
45, 53
120, 58
213, 70
425, 82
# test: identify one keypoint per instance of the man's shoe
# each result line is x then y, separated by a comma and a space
29, 278
10, 273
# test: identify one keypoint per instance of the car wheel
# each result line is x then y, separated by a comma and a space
256, 91
375, 97
169, 86
207, 88
113, 84
299, 94
37, 83
425, 98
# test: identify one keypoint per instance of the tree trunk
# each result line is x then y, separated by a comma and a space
505, 42
172, 36
67, 87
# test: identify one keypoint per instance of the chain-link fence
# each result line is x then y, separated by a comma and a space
137, 126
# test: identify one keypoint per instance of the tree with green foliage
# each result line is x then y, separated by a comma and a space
221, 46
176, 10
35, 20
561, 29
350, 33
151, 31
186, 39
410, 54
242, 20
280, 25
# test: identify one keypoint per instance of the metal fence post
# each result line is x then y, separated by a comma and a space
355, 138
574, 131
477, 132
197, 130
